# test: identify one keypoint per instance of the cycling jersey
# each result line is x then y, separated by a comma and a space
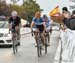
38, 24
47, 23
38, 21
15, 22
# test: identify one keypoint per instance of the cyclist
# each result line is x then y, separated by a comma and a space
48, 26
70, 20
39, 24
14, 24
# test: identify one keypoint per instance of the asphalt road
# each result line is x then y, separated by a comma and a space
27, 52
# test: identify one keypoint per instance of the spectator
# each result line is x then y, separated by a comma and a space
70, 20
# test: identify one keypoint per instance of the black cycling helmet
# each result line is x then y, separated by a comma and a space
73, 12
44, 16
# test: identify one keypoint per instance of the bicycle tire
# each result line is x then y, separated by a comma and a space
39, 50
46, 41
15, 49
17, 42
45, 49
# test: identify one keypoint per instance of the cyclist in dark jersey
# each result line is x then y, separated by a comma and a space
15, 23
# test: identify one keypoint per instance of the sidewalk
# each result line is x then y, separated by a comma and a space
27, 52
66, 48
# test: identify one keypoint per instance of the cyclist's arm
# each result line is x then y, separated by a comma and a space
32, 24
20, 25
10, 19
19, 22
9, 24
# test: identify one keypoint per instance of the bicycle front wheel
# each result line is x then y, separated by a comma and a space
14, 50
39, 51
14, 44
46, 44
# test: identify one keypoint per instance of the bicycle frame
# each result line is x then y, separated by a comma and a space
46, 42
14, 39
39, 44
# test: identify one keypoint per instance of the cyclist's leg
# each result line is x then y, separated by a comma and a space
18, 37
42, 31
18, 34
35, 30
13, 33
43, 37
48, 29
48, 38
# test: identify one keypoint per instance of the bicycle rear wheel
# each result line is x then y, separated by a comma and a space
39, 49
14, 45
14, 50
45, 49
46, 44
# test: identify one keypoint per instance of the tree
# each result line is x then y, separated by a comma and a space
30, 7
26, 11
19, 9
7, 9
4, 9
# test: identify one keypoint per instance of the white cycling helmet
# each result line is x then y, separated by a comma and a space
14, 13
